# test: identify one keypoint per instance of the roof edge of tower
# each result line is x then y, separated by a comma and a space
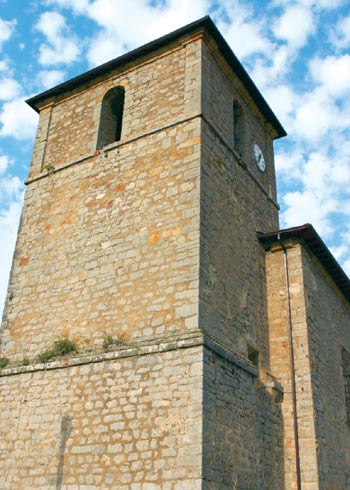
203, 23
312, 239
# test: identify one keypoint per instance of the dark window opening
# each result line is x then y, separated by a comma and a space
253, 356
346, 374
111, 117
239, 129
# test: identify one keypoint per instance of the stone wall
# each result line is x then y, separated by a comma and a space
132, 421
290, 341
161, 90
109, 242
235, 204
152, 241
242, 426
313, 336
328, 320
220, 89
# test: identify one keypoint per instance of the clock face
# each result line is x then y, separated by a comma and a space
259, 158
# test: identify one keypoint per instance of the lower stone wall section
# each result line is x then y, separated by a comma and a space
242, 427
131, 423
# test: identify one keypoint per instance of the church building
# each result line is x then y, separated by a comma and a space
161, 331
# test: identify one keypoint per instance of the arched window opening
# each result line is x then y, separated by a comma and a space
239, 129
111, 117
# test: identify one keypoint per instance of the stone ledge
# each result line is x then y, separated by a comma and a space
143, 349
154, 346
164, 127
273, 384
230, 356
108, 148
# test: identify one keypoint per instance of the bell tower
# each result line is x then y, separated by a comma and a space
138, 247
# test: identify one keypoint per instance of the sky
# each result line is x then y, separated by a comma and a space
296, 51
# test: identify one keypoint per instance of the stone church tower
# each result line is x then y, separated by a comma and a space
148, 245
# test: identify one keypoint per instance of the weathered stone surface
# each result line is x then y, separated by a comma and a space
150, 244
320, 324
109, 246
104, 425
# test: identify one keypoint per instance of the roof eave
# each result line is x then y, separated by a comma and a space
309, 235
204, 23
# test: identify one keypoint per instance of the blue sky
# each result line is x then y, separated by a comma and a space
296, 51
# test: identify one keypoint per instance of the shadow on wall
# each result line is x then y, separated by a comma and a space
242, 428
66, 430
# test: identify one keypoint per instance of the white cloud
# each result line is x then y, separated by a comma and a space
314, 4
104, 48
150, 20
104, 13
320, 114
333, 73
295, 25
4, 163
11, 188
3, 65
50, 78
322, 182
9, 89
246, 38
51, 24
18, 120
270, 75
339, 35
306, 206
9, 219
323, 4
174, 14
284, 101
326, 176
61, 52
62, 46
11, 197
78, 6
243, 30
7, 28
346, 264
289, 165
281, 61
121, 31
341, 252
317, 115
